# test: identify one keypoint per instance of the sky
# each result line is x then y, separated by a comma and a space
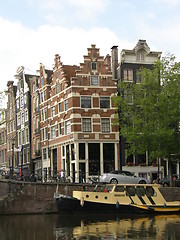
33, 31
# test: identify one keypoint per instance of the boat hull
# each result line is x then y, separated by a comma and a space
73, 205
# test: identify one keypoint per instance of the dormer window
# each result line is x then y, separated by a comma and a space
140, 56
94, 65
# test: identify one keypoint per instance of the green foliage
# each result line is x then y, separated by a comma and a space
149, 111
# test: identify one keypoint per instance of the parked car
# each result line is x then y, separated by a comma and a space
165, 182
122, 177
93, 180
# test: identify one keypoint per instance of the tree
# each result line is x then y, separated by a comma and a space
149, 112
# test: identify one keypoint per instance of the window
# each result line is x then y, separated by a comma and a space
94, 80
59, 128
44, 133
138, 76
22, 100
108, 157
23, 138
68, 127
25, 99
63, 151
94, 158
72, 152
82, 155
86, 124
27, 135
53, 111
44, 114
19, 138
44, 154
18, 119
17, 103
57, 87
85, 102
104, 102
59, 107
43, 96
26, 115
53, 132
105, 125
22, 118
66, 105
57, 75
94, 65
140, 56
128, 95
128, 74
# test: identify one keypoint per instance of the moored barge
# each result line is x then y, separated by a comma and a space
118, 198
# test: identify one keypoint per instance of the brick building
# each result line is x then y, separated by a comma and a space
76, 118
11, 125
3, 141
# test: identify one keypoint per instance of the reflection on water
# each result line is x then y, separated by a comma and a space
54, 226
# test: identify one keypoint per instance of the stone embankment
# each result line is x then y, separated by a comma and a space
24, 198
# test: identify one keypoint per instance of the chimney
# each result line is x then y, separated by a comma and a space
114, 54
107, 61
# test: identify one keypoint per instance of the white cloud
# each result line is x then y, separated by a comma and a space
23, 46
71, 11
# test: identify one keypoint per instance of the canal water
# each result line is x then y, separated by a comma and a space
57, 227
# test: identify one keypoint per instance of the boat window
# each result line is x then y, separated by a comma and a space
140, 191
130, 191
119, 189
109, 188
87, 196
150, 191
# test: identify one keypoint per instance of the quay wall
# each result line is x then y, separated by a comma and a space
27, 198
18, 197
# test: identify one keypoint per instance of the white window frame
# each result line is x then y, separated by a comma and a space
86, 102
86, 125
103, 102
105, 125
94, 80
53, 132
128, 74
68, 127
